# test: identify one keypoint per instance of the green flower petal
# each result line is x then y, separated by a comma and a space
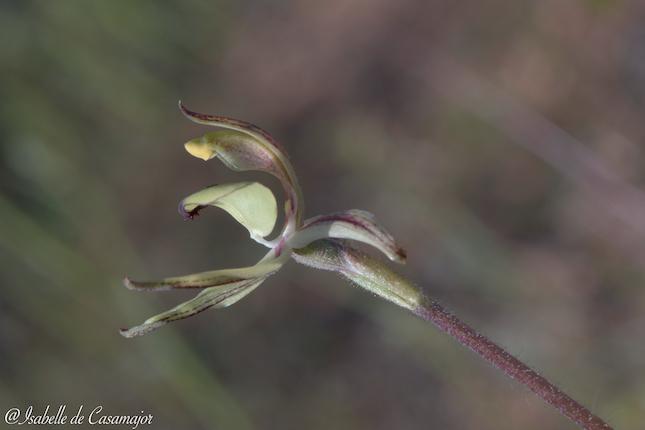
352, 224
244, 146
250, 203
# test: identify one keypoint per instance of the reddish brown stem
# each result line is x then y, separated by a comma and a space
498, 357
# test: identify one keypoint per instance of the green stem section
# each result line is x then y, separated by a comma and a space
464, 334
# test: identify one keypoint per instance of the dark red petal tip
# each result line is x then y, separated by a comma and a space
188, 215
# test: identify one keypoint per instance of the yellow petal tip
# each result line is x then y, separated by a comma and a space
198, 148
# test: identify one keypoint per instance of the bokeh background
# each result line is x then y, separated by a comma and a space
500, 142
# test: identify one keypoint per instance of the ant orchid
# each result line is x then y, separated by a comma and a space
320, 242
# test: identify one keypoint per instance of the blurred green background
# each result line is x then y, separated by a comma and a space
500, 142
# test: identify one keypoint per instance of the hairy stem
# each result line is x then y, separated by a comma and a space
435, 313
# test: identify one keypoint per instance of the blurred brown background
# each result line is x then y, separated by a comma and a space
500, 142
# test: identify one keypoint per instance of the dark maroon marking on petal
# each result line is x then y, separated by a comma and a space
188, 215
401, 253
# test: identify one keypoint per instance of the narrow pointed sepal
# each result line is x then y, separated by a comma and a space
213, 297
212, 278
362, 270
354, 225
250, 203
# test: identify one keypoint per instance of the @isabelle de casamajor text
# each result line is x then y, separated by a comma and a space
95, 416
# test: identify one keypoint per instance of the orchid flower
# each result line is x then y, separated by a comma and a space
322, 242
